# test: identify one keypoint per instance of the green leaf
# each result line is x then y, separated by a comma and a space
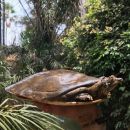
122, 89
26, 117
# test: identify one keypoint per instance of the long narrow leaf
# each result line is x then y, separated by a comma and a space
26, 117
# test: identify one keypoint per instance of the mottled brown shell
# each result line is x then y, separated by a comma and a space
50, 84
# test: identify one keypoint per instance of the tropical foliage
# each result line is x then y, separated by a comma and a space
26, 117
99, 44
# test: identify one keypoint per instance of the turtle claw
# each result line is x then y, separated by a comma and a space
84, 97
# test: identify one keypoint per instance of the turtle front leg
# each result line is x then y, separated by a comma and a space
75, 92
79, 94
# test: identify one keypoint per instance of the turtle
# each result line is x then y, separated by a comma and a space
63, 85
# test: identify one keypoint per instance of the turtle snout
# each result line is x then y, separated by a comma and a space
113, 82
112, 78
119, 80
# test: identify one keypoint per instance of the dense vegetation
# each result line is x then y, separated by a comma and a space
36, 53
97, 43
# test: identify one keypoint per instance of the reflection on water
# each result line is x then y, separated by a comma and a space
69, 124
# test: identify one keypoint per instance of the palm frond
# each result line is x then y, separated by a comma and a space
26, 117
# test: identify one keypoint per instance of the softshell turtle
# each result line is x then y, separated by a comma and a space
63, 85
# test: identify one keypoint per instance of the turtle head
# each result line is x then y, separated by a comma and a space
107, 84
